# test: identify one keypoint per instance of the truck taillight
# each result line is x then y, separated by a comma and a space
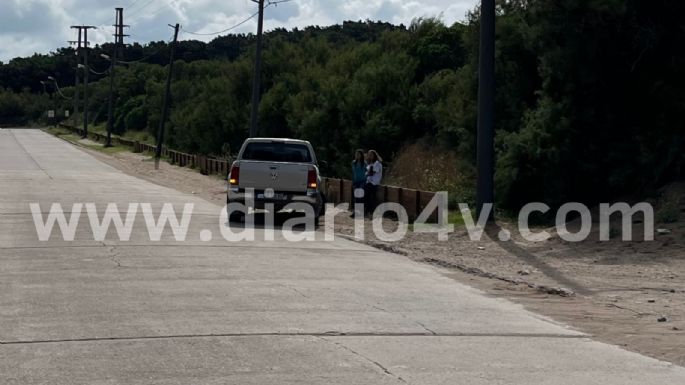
235, 175
312, 179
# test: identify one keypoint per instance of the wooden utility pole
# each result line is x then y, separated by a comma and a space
76, 77
167, 95
118, 45
83, 51
256, 78
486, 108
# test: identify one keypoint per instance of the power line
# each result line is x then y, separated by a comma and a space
158, 10
139, 60
277, 2
128, 7
116, 21
153, 13
141, 38
140, 16
168, 4
224, 30
136, 13
145, 5
155, 52
132, 4
97, 72
268, 3
59, 90
102, 24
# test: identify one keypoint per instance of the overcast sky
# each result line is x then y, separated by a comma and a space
29, 26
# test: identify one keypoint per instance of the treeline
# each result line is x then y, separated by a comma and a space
589, 94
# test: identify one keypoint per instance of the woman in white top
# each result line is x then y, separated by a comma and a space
374, 175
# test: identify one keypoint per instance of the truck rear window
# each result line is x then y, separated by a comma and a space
277, 152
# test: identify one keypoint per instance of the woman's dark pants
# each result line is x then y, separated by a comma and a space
370, 197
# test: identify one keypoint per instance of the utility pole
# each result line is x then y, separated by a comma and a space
256, 79
76, 77
167, 95
86, 75
118, 44
486, 109
45, 92
84, 52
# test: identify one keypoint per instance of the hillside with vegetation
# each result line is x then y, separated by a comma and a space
589, 96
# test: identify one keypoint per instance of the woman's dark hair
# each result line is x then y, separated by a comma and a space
359, 156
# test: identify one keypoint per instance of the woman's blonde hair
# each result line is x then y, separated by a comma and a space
375, 155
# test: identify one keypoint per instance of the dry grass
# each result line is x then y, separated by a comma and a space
423, 168
671, 203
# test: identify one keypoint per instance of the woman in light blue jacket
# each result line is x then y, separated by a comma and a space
358, 177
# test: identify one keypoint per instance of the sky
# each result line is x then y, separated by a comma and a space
30, 26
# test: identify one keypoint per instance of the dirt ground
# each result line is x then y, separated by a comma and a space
630, 294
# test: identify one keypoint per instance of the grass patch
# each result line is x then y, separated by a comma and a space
73, 138
76, 139
454, 218
140, 136
57, 131
63, 133
105, 150
669, 212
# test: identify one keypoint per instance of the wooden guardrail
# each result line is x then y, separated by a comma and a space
336, 190
414, 201
206, 165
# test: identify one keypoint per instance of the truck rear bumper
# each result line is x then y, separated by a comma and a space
258, 200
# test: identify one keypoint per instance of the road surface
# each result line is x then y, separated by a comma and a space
265, 312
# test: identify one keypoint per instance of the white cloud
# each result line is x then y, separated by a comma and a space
28, 26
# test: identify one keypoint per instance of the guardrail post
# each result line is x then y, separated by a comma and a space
418, 203
202, 160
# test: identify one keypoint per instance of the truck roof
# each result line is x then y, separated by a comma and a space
277, 140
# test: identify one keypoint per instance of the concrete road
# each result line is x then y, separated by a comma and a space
207, 311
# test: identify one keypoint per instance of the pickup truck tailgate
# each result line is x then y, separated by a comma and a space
280, 176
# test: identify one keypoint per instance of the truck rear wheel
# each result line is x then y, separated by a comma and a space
323, 204
234, 216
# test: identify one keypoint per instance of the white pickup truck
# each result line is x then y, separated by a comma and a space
278, 172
